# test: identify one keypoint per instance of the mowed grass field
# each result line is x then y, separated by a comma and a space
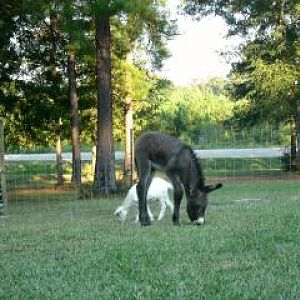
75, 249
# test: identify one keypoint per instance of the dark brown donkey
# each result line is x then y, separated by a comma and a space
157, 151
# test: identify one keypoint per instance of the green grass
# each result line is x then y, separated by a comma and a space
64, 249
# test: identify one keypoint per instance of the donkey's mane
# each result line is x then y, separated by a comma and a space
194, 160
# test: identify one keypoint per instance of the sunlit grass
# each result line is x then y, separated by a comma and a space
71, 249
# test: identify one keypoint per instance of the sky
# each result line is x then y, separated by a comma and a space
195, 53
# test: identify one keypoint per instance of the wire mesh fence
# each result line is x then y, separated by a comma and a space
226, 154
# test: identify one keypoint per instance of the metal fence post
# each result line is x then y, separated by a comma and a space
2, 173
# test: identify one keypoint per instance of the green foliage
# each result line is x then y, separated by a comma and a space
264, 77
190, 110
268, 85
10, 63
269, 61
147, 110
141, 83
265, 84
244, 16
206, 117
30, 104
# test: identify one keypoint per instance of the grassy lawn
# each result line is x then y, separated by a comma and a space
66, 249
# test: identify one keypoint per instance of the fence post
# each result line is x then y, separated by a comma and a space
2, 173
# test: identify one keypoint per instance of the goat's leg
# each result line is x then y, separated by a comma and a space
163, 207
169, 202
149, 213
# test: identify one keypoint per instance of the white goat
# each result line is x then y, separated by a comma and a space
159, 190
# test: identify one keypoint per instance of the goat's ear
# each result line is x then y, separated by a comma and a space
213, 187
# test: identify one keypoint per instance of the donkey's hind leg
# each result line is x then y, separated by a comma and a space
144, 172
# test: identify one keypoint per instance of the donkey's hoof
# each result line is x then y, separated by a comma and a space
145, 220
175, 220
199, 221
146, 223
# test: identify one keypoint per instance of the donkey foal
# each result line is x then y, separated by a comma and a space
157, 151
159, 190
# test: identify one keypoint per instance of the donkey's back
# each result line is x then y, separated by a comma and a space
157, 147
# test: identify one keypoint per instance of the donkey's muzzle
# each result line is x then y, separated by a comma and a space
199, 221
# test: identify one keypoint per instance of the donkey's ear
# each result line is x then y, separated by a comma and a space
210, 188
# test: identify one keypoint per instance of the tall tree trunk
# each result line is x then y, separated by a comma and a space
75, 135
129, 133
105, 178
55, 91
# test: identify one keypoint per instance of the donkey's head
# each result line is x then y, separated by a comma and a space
197, 203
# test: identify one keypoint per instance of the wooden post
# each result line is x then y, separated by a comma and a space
293, 156
2, 177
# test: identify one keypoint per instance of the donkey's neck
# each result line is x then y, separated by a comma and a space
194, 180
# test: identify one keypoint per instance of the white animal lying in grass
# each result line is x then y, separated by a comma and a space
160, 190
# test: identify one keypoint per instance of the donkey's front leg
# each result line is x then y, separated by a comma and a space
142, 193
149, 213
177, 197
177, 200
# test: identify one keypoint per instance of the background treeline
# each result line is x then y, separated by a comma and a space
81, 73
204, 115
